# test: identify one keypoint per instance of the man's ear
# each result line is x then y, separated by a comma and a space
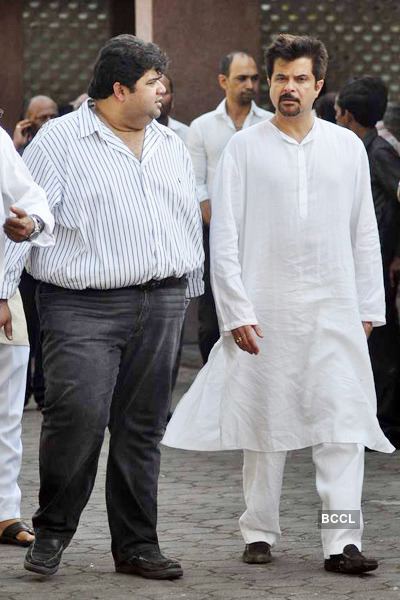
120, 91
222, 81
319, 85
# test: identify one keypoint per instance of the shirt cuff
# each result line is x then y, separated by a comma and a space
8, 289
202, 193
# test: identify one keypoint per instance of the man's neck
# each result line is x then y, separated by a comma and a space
360, 130
111, 117
295, 127
237, 112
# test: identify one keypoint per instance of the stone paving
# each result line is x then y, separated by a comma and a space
200, 501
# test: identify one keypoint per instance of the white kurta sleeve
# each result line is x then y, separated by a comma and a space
234, 308
18, 188
195, 145
366, 248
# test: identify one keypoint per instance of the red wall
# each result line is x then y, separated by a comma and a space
195, 34
11, 63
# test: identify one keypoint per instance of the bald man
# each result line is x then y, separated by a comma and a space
40, 110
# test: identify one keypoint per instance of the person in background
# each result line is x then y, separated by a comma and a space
360, 104
208, 135
389, 128
167, 101
31, 221
39, 111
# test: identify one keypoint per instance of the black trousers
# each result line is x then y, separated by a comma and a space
34, 379
108, 358
208, 322
384, 350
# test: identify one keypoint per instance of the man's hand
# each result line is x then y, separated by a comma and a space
368, 327
245, 339
5, 319
22, 133
18, 228
205, 208
394, 271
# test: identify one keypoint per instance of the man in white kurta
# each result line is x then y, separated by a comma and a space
17, 189
295, 259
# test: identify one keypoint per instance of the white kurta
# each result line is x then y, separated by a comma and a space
18, 188
295, 248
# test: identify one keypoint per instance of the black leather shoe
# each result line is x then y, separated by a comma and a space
257, 553
350, 562
150, 563
44, 555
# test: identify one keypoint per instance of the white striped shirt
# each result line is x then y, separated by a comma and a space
118, 221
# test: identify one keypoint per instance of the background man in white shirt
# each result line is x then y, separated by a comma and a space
207, 138
21, 195
112, 300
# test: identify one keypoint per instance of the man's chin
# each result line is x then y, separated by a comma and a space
290, 113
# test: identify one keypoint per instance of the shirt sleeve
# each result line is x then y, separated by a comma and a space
195, 285
234, 308
195, 144
19, 189
366, 248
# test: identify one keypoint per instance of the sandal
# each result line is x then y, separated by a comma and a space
9, 535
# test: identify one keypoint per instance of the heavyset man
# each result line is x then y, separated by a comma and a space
128, 252
207, 138
297, 279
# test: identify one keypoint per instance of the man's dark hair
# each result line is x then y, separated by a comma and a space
325, 107
226, 61
365, 98
290, 47
124, 58
391, 119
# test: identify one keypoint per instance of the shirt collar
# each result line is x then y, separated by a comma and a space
254, 109
90, 123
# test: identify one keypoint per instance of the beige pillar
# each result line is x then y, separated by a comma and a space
144, 19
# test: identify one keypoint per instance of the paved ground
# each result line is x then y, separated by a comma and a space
200, 501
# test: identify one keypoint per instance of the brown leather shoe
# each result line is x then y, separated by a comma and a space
257, 553
350, 562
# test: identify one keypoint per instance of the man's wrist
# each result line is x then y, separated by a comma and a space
38, 226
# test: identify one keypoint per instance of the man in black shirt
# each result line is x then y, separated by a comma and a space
359, 106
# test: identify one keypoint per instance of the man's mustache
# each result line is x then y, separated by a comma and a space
288, 97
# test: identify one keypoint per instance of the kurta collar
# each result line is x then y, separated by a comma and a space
309, 137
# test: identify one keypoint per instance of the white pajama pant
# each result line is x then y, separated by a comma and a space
13, 367
339, 471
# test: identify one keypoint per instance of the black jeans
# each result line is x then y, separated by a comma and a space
108, 358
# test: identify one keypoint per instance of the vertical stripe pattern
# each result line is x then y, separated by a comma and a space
118, 221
